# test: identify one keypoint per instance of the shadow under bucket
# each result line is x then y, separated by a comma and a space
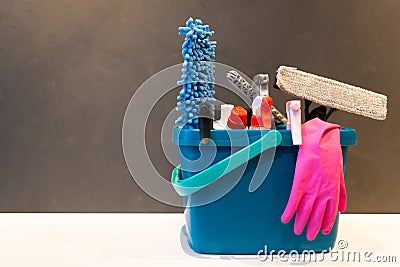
222, 215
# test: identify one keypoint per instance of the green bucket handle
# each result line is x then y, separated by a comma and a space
206, 177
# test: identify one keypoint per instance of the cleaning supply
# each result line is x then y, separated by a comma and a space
239, 82
265, 112
249, 113
234, 202
331, 93
293, 110
262, 82
222, 216
318, 190
222, 123
197, 82
205, 122
238, 118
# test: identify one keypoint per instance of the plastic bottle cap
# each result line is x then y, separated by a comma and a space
269, 100
295, 105
235, 125
239, 113
238, 118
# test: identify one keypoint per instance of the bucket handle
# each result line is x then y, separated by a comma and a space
206, 177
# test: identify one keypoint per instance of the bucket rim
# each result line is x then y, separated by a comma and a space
191, 137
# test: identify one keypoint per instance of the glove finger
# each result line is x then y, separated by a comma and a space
301, 176
342, 194
330, 217
291, 207
317, 215
302, 214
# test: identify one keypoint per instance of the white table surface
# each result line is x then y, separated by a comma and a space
157, 240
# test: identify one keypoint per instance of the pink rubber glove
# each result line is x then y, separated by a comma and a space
318, 190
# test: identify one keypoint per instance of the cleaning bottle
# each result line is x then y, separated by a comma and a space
224, 111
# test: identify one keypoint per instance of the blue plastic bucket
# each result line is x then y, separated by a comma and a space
243, 222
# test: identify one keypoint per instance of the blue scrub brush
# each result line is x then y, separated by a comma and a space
198, 53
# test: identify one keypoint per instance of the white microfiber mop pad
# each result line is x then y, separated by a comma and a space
332, 93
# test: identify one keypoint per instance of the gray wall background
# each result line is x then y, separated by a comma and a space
69, 68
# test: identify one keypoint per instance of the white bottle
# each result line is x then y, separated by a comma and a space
221, 124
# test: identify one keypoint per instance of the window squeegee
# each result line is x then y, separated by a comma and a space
331, 93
